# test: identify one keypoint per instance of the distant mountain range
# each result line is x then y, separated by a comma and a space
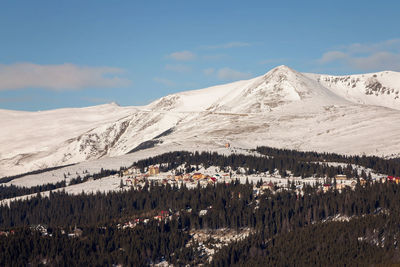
352, 114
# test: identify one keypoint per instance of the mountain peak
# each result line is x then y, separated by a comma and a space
114, 103
282, 68
280, 72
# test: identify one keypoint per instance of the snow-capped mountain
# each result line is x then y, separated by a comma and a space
284, 108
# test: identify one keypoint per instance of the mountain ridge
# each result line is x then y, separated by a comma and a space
282, 108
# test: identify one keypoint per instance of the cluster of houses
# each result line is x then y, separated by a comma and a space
393, 179
340, 186
136, 178
351, 182
6, 233
341, 183
161, 216
43, 230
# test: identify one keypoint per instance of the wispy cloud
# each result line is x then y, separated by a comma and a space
366, 57
377, 61
59, 77
182, 55
387, 45
164, 81
332, 56
180, 68
226, 45
209, 71
227, 74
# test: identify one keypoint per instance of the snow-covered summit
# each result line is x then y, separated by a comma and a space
283, 108
278, 86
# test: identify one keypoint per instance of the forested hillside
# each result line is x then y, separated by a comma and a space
158, 223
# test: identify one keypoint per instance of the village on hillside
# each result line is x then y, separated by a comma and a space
136, 178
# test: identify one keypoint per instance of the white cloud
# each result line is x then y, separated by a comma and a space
366, 57
377, 61
388, 45
178, 68
208, 71
164, 81
226, 45
182, 56
59, 77
332, 56
228, 74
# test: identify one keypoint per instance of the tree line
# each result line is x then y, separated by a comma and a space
380, 165
252, 164
11, 191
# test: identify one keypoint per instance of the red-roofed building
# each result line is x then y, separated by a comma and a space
198, 176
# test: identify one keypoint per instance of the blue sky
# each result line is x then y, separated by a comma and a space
56, 54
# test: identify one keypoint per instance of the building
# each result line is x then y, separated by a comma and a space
267, 186
226, 175
198, 176
340, 186
2, 233
326, 187
153, 170
203, 212
393, 179
133, 170
178, 177
76, 233
162, 215
341, 177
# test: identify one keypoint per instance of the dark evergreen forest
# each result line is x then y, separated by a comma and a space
288, 229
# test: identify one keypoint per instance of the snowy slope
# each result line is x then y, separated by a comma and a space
381, 89
30, 136
283, 108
